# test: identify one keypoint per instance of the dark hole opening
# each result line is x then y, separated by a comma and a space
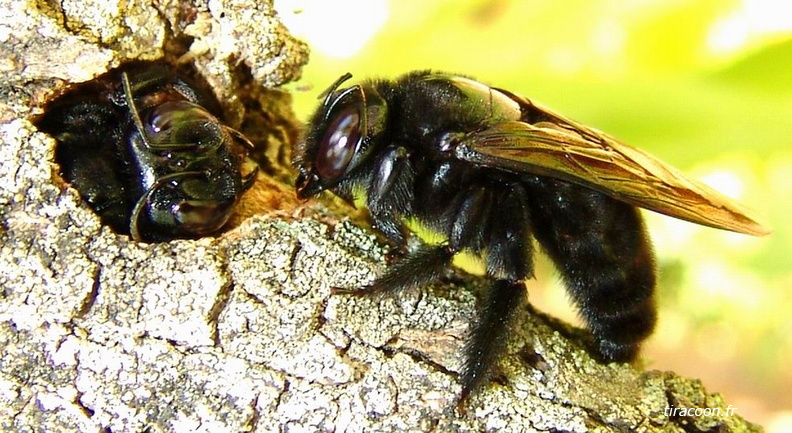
105, 153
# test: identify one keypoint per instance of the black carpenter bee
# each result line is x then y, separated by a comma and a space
490, 170
146, 153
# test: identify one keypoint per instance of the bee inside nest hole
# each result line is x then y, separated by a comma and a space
149, 150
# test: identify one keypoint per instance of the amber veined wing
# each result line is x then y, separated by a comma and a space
561, 148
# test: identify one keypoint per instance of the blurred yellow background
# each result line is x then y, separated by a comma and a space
704, 85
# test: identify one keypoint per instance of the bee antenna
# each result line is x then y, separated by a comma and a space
327, 93
363, 114
133, 109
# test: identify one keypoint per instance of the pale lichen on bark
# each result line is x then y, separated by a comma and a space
241, 332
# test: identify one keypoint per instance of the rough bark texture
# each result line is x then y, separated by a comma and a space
240, 332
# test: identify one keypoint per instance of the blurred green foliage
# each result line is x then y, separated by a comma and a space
702, 85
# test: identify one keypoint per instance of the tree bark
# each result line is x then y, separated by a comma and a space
241, 332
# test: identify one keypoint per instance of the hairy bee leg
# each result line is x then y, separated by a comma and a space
390, 196
509, 260
605, 257
488, 335
415, 270
428, 264
471, 215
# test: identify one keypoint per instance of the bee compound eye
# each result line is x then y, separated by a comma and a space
179, 122
339, 144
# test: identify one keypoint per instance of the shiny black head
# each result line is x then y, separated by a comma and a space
342, 136
188, 160
149, 153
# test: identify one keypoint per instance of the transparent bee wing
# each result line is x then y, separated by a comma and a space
558, 147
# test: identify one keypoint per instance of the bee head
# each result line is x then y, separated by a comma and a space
341, 136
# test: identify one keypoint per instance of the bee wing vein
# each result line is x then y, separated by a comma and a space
575, 153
